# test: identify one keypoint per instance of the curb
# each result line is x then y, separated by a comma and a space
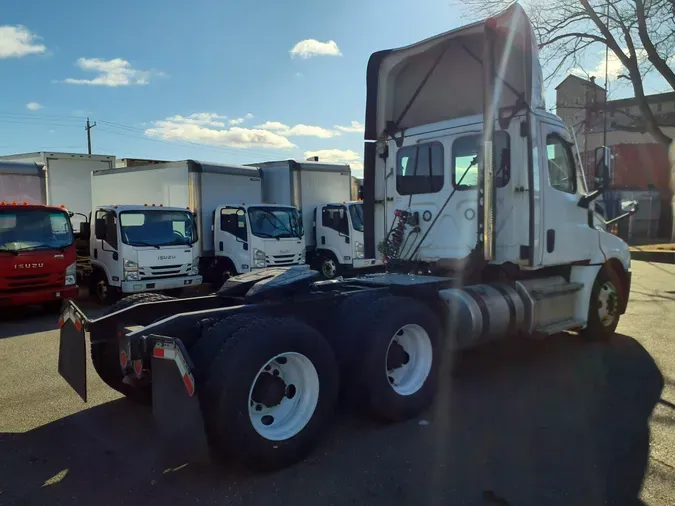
664, 257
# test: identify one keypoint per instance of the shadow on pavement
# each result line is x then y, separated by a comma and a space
559, 422
18, 321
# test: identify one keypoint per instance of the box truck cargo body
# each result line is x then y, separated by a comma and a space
223, 200
333, 221
37, 249
67, 178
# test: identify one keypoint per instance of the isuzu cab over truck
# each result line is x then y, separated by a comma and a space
230, 230
475, 201
333, 223
37, 248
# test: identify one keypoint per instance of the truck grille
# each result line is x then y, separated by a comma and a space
163, 271
278, 260
28, 282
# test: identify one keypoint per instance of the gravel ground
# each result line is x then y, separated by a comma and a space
556, 422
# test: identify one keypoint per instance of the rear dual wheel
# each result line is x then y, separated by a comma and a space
391, 354
269, 391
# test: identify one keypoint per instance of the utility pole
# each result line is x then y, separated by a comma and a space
88, 129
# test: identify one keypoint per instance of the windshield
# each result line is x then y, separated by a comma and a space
356, 212
158, 228
34, 229
277, 222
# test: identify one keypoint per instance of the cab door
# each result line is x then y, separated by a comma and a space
332, 232
231, 237
566, 235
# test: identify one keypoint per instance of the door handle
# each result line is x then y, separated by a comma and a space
323, 239
95, 253
220, 245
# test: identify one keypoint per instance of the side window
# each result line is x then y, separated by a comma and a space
420, 169
561, 169
110, 221
233, 221
335, 217
466, 155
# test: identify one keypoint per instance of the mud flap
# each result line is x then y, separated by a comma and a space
73, 353
176, 411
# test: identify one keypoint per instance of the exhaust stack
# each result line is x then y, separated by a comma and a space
486, 196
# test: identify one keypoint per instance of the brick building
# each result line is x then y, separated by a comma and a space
639, 162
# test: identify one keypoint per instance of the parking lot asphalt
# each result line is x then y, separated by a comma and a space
552, 422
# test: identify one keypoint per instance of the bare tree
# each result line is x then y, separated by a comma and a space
639, 33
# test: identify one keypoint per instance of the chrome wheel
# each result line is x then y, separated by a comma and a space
608, 304
328, 268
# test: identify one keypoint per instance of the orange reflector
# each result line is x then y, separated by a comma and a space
138, 367
124, 360
78, 324
61, 322
188, 384
25, 203
158, 352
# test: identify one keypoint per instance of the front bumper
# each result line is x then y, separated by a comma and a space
38, 296
146, 285
362, 263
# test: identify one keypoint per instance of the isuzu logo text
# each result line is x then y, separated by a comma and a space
29, 266
166, 257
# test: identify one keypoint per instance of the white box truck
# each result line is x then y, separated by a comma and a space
230, 231
68, 178
331, 216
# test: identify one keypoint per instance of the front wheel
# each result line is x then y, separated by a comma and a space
270, 392
330, 268
604, 308
101, 290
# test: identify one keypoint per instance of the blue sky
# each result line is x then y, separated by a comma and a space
219, 73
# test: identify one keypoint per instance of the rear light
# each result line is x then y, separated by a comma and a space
614, 229
124, 360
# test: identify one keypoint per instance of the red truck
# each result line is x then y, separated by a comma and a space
37, 247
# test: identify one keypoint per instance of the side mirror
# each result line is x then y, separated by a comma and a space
630, 206
100, 229
85, 230
603, 167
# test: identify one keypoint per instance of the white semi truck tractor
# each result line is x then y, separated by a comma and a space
472, 195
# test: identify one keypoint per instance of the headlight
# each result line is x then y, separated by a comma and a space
71, 274
130, 265
195, 267
302, 257
258, 258
358, 249
131, 270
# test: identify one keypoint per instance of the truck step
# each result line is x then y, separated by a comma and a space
554, 328
542, 292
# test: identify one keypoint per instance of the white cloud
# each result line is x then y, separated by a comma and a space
311, 47
614, 66
18, 41
200, 118
181, 128
354, 127
249, 116
340, 156
236, 121
33, 106
115, 72
274, 126
299, 130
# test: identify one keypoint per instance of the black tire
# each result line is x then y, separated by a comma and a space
214, 334
329, 267
53, 306
225, 393
371, 329
596, 330
105, 355
101, 291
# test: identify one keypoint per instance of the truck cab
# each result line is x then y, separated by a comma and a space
144, 248
256, 236
37, 255
338, 227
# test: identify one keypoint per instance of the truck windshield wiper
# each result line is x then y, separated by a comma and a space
141, 243
267, 215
